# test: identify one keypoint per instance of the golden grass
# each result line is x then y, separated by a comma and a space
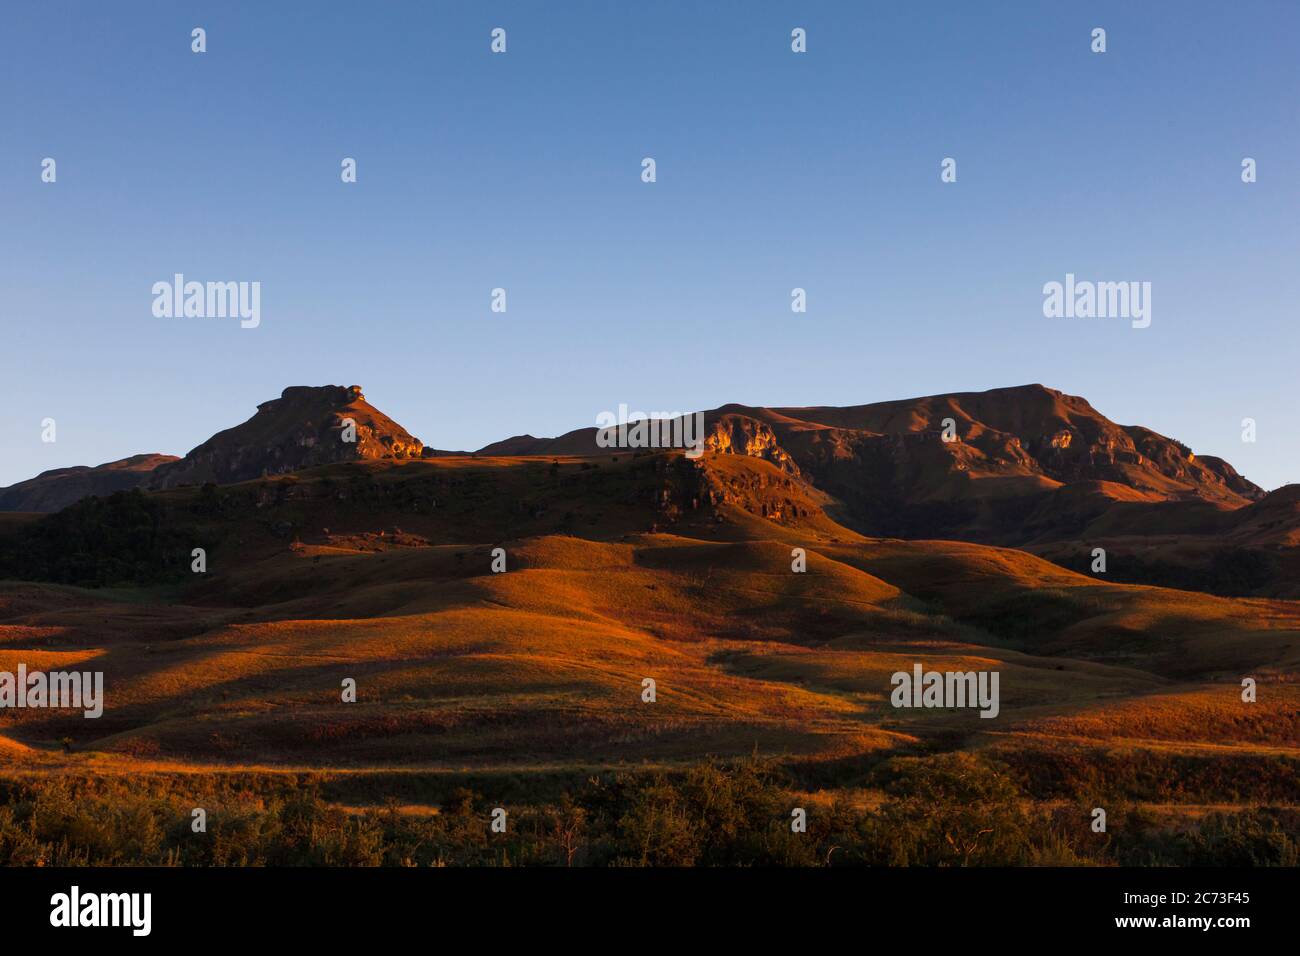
542, 666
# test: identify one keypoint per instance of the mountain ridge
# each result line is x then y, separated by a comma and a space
55, 489
1024, 466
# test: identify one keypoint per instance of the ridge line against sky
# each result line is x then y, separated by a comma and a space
774, 171
635, 413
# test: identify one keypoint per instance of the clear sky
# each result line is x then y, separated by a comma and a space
523, 171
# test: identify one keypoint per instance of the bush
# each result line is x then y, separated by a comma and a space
954, 809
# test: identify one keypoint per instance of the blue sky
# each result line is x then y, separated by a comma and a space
522, 171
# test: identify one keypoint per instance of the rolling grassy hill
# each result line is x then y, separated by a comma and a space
617, 569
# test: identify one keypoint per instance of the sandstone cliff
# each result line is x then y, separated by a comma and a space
305, 427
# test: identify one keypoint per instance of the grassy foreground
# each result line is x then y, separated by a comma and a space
945, 810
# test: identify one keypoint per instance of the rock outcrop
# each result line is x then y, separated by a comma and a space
303, 428
732, 434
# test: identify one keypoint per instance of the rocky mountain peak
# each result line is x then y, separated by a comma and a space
305, 427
